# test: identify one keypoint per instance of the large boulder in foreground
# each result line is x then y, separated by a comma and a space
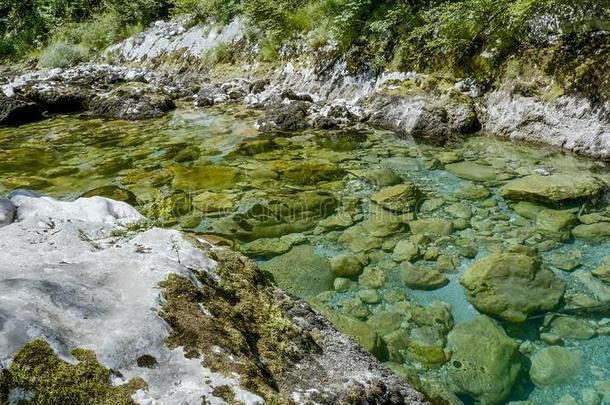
511, 286
555, 189
485, 361
168, 318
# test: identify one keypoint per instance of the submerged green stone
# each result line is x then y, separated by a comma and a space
485, 361
193, 179
511, 286
555, 189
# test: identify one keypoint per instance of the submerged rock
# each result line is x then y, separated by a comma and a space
472, 171
555, 224
569, 327
603, 273
485, 361
594, 233
114, 193
555, 189
422, 278
301, 271
434, 226
346, 265
399, 198
511, 286
554, 365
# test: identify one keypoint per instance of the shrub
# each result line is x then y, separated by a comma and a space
62, 55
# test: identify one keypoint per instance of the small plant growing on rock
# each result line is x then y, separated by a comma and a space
62, 55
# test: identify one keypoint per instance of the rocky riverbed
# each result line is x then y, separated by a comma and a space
392, 206
415, 250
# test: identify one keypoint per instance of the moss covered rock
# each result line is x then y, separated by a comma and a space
199, 178
555, 189
37, 369
554, 365
472, 171
511, 286
422, 278
485, 361
399, 198
131, 101
593, 233
301, 271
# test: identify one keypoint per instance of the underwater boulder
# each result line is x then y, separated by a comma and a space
472, 171
593, 233
301, 271
114, 193
399, 198
485, 361
511, 286
554, 189
554, 365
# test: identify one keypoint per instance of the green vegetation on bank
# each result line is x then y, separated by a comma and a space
38, 370
464, 35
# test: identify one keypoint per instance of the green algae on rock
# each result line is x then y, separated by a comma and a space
422, 278
511, 286
399, 198
199, 178
554, 365
554, 189
603, 273
346, 265
37, 369
593, 233
472, 171
485, 361
114, 193
301, 271
434, 226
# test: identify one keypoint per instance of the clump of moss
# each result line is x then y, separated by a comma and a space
37, 369
224, 392
256, 339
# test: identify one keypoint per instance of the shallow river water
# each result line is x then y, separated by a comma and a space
297, 203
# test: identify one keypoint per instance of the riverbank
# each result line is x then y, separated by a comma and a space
174, 60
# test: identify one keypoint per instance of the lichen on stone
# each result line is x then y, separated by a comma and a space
38, 370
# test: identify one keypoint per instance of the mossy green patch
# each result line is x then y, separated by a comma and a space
37, 369
226, 393
257, 340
